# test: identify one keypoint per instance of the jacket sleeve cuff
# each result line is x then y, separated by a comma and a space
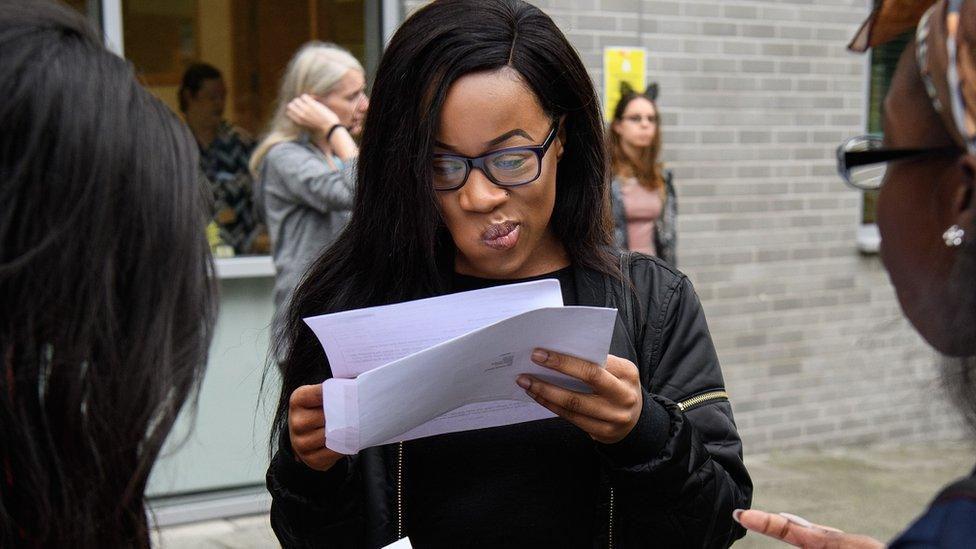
645, 441
291, 476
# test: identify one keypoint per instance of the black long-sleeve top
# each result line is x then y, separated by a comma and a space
673, 482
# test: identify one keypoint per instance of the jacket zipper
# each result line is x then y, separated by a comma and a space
399, 487
703, 398
684, 405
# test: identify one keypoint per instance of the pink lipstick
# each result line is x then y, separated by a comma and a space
501, 236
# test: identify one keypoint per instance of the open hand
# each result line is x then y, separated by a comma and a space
309, 113
306, 428
800, 532
609, 413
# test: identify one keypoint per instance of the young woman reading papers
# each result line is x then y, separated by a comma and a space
483, 163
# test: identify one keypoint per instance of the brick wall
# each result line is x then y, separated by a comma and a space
755, 96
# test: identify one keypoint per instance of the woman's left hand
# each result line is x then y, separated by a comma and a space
609, 413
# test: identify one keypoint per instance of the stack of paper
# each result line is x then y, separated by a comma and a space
449, 363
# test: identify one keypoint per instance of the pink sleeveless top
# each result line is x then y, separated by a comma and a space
642, 208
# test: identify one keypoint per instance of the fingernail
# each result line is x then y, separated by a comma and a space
736, 514
799, 521
523, 382
540, 356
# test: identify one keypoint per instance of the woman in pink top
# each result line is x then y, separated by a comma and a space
643, 199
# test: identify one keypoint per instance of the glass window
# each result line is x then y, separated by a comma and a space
884, 59
249, 41
91, 9
239, 50
161, 38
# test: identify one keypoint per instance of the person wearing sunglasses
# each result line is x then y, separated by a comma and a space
643, 200
925, 169
483, 163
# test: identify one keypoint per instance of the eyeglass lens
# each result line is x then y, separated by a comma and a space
504, 168
867, 176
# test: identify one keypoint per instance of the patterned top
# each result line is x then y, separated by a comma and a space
224, 163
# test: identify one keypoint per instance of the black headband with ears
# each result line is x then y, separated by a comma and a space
651, 91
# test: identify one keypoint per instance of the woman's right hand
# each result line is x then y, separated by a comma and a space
799, 532
306, 428
309, 113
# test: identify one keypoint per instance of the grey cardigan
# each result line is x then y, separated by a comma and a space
306, 205
665, 228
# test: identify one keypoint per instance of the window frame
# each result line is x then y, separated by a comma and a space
868, 236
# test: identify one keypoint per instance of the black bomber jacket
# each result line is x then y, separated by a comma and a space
680, 496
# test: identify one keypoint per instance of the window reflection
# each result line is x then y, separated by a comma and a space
884, 59
218, 63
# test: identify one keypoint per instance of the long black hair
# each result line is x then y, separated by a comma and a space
396, 246
105, 278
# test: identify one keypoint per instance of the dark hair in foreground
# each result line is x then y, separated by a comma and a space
396, 246
105, 278
193, 79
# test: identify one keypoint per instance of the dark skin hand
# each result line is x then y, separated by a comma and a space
306, 429
799, 532
609, 413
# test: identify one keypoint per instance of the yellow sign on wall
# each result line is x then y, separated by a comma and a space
622, 65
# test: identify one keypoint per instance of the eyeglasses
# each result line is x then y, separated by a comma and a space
511, 167
636, 119
862, 161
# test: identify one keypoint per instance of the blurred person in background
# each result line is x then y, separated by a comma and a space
306, 164
106, 283
643, 200
484, 163
224, 153
925, 167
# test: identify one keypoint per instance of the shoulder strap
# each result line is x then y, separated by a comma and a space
631, 312
625, 284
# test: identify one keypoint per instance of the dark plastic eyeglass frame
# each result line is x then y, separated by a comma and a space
847, 160
478, 162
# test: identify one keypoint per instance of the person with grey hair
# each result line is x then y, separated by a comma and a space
305, 167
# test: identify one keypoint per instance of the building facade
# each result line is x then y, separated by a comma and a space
755, 97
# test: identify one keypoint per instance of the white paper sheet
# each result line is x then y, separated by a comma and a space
464, 383
358, 341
